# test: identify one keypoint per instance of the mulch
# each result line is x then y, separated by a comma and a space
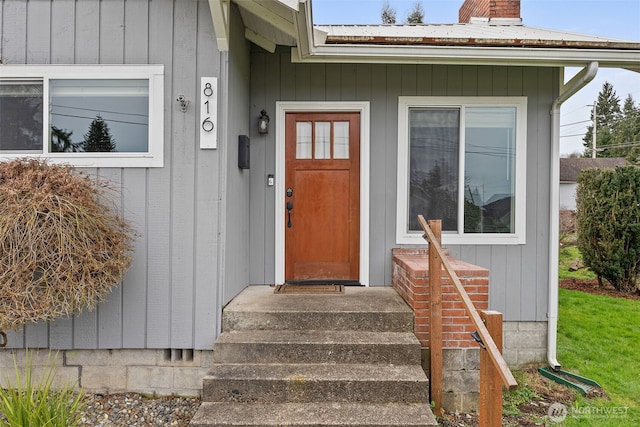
591, 286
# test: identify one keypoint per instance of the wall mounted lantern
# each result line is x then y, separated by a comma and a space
263, 123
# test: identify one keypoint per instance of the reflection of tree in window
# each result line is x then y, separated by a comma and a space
61, 141
21, 117
433, 197
472, 211
98, 138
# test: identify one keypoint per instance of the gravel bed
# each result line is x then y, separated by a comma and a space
131, 409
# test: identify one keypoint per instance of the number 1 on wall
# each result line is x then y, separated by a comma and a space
209, 112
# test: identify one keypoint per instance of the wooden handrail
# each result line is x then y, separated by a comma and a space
496, 357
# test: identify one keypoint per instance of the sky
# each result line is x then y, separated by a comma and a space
618, 19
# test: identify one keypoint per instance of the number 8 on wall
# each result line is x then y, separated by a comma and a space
208, 112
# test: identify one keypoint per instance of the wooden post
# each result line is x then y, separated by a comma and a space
490, 404
435, 319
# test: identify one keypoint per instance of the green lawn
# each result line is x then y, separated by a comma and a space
568, 254
599, 338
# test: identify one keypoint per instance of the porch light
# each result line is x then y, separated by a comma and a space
263, 123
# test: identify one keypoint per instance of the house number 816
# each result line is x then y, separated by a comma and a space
208, 112
207, 124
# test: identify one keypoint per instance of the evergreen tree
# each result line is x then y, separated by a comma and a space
627, 131
607, 113
21, 120
388, 14
417, 14
98, 138
61, 141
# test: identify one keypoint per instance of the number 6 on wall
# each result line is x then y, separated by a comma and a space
209, 112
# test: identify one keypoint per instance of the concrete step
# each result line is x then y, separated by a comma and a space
314, 414
268, 346
316, 360
359, 308
295, 383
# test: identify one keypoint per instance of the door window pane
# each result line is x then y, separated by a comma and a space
323, 140
434, 140
99, 115
21, 117
341, 140
489, 188
303, 140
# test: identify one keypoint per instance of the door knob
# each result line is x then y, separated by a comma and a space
289, 209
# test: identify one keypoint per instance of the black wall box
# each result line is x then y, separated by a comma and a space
243, 151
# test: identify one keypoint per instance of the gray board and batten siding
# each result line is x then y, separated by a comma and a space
170, 297
206, 228
519, 273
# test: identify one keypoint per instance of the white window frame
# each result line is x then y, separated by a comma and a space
405, 103
154, 157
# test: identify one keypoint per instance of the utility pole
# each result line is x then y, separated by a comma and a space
593, 138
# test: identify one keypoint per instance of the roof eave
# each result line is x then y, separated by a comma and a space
465, 55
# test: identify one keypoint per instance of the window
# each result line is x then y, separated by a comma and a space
321, 140
84, 115
462, 160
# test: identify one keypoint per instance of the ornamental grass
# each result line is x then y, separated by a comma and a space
63, 245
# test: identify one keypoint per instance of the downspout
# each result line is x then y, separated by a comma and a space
566, 91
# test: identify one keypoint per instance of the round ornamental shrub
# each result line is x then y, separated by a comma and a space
63, 247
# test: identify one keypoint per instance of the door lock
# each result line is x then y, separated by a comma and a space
289, 192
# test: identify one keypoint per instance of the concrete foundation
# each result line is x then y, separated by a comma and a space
154, 372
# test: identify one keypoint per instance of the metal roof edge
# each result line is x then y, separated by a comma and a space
525, 56
312, 50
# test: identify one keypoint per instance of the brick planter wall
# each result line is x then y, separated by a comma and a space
461, 357
411, 280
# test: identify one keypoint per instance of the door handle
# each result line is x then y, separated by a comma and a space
289, 209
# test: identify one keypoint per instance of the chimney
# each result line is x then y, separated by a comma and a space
488, 9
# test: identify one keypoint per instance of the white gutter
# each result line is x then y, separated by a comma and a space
463, 55
566, 91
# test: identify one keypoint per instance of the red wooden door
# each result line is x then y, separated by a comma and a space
322, 200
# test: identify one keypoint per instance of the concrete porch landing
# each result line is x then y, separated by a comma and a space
359, 308
316, 359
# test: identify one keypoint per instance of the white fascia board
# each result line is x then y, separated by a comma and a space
220, 18
469, 56
291, 4
261, 41
304, 31
271, 17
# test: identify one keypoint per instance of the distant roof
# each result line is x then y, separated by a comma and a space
569, 168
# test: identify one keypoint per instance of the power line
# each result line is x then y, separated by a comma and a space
623, 145
92, 118
575, 123
99, 111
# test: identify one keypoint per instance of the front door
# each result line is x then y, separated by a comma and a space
322, 200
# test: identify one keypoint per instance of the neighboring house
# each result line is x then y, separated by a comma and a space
460, 122
569, 170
